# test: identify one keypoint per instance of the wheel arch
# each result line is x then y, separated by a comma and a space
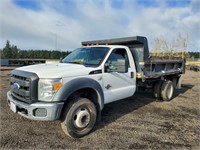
81, 85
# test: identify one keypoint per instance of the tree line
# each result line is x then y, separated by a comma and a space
12, 52
195, 55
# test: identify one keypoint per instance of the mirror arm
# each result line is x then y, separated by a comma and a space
61, 60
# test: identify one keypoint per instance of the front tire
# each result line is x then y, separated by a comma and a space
167, 90
79, 118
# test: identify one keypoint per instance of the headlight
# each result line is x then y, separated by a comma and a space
47, 88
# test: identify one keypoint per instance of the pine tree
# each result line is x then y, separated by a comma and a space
14, 51
7, 51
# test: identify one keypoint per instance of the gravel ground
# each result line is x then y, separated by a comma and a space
139, 122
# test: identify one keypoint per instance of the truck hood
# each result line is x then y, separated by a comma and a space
58, 70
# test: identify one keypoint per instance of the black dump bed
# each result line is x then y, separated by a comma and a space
145, 67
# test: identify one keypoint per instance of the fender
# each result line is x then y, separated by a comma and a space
72, 86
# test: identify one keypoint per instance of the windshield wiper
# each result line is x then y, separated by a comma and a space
72, 62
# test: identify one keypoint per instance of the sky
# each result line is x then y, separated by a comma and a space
63, 24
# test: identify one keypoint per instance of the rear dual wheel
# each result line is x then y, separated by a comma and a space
167, 90
164, 90
157, 89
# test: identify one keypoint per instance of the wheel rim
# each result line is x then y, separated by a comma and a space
82, 118
170, 91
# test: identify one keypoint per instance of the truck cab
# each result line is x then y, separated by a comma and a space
75, 90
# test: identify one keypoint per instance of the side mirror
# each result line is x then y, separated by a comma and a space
120, 66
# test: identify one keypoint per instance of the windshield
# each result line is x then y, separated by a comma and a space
87, 55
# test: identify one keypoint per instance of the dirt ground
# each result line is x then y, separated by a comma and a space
139, 122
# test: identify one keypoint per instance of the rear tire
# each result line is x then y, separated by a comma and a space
79, 118
157, 90
175, 82
167, 90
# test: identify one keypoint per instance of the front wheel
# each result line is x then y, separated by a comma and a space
79, 118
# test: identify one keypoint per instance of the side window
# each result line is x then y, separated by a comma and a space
119, 53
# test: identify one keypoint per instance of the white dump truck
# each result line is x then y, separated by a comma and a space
75, 90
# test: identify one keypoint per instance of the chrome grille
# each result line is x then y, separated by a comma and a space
23, 93
24, 86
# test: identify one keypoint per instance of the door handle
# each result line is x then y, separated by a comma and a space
132, 74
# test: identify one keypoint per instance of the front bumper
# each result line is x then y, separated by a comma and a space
35, 111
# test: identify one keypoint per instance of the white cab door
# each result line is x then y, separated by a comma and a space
119, 85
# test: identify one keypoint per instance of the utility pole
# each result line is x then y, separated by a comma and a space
56, 41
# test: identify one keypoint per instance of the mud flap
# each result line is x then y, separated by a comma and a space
179, 84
